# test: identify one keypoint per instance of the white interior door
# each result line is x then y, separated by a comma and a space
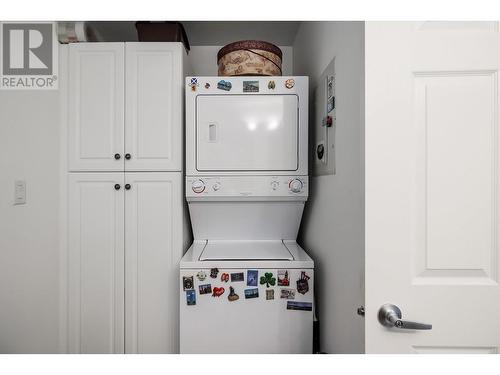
153, 206
432, 192
247, 132
95, 106
154, 116
96, 263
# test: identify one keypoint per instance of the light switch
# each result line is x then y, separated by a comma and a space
19, 192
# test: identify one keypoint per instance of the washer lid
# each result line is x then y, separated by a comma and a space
245, 250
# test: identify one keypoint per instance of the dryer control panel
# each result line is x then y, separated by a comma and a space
261, 187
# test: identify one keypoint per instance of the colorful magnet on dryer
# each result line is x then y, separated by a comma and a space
271, 85
207, 85
289, 83
224, 277
250, 86
193, 84
224, 85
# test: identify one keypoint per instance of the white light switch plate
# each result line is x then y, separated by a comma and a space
19, 192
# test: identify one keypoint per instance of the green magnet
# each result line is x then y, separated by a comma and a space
268, 279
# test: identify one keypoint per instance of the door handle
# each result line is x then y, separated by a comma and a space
390, 316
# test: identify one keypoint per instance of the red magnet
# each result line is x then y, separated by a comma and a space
217, 292
224, 277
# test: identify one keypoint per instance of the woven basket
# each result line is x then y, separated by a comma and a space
249, 58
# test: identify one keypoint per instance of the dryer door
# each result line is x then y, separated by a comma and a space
247, 132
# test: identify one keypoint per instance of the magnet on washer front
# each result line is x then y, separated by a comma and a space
214, 272
202, 275
232, 295
287, 293
190, 297
187, 282
252, 293
303, 283
207, 85
238, 276
252, 277
289, 83
205, 289
283, 279
218, 291
268, 279
269, 294
271, 85
224, 277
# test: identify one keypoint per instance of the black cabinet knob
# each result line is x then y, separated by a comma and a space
117, 186
127, 156
117, 156
127, 186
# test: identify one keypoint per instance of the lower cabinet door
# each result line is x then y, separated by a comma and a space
153, 248
96, 262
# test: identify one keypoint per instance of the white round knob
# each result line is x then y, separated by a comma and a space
296, 185
198, 186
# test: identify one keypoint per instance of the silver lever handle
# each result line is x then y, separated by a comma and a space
390, 316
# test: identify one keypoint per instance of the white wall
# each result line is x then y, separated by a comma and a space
332, 229
29, 237
204, 60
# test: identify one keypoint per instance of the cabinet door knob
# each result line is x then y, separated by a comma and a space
127, 186
127, 156
117, 186
117, 156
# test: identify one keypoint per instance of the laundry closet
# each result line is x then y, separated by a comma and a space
147, 203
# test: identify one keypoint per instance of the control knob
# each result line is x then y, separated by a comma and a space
295, 185
198, 186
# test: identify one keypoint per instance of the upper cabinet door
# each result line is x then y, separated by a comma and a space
96, 106
153, 117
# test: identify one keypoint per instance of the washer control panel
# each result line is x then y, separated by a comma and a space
247, 186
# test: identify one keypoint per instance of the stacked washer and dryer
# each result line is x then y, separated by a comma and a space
246, 286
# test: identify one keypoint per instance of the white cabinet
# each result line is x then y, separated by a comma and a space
153, 115
125, 240
153, 247
127, 227
96, 263
125, 106
95, 103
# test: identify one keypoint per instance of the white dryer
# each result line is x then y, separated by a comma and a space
245, 284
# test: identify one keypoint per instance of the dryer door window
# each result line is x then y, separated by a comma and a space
247, 132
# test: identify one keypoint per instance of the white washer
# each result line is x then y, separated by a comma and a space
246, 186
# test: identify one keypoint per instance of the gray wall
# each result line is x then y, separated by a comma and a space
332, 229
29, 234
